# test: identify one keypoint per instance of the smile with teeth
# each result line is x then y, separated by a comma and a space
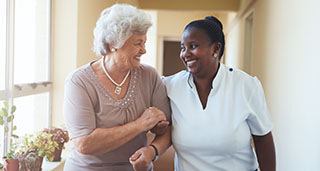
190, 62
137, 57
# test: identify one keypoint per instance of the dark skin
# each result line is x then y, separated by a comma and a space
264, 147
198, 54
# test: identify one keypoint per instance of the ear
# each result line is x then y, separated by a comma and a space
111, 48
216, 48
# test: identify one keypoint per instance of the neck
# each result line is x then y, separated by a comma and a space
114, 66
115, 73
204, 81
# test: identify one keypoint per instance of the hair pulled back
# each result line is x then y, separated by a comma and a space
212, 27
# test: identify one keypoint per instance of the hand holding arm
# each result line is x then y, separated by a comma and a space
102, 140
143, 157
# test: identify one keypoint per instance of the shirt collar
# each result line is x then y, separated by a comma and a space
216, 81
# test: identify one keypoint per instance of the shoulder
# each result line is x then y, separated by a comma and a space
176, 78
241, 79
147, 73
79, 75
147, 69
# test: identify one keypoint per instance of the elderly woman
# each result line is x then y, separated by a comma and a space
111, 103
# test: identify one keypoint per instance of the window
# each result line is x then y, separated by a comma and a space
3, 5
24, 64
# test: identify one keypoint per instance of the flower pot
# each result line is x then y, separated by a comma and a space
30, 162
11, 164
57, 152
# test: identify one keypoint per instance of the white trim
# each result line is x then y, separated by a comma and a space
2, 94
49, 60
172, 39
160, 56
31, 89
239, 16
9, 63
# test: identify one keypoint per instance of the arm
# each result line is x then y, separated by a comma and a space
142, 158
265, 152
102, 140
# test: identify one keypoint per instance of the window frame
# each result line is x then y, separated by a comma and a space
12, 90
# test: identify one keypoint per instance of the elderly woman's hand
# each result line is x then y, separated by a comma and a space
150, 118
142, 158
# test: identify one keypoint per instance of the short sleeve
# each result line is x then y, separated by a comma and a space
78, 110
159, 97
259, 119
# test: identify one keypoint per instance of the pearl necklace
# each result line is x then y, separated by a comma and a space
118, 86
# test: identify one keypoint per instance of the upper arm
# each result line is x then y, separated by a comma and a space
259, 119
78, 109
159, 97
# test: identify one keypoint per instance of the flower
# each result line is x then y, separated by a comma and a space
59, 135
40, 143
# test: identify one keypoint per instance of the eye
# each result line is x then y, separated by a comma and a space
193, 46
183, 48
140, 43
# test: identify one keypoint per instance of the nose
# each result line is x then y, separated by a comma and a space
143, 49
184, 53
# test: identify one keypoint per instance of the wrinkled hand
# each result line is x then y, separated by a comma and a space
160, 128
142, 158
150, 118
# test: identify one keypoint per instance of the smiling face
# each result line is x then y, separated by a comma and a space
130, 53
197, 52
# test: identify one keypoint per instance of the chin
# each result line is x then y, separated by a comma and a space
193, 71
135, 66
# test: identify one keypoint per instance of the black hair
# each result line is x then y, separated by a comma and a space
213, 28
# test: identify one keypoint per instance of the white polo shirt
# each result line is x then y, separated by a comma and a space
219, 136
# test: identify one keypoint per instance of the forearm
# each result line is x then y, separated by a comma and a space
163, 142
265, 150
103, 140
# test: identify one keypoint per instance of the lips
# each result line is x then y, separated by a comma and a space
137, 58
190, 62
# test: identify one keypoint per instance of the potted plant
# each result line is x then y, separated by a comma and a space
11, 162
33, 148
60, 136
6, 118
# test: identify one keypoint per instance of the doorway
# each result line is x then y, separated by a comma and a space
171, 60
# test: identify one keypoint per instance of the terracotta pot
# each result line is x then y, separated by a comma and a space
57, 152
30, 162
11, 164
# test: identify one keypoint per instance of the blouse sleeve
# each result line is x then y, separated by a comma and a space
78, 109
159, 97
259, 119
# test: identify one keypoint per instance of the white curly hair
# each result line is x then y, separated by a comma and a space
116, 24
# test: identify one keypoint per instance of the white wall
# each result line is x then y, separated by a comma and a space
151, 45
64, 51
286, 59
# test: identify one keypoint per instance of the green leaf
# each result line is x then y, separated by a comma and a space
6, 105
1, 121
5, 112
1, 113
14, 128
6, 128
13, 109
15, 136
9, 119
